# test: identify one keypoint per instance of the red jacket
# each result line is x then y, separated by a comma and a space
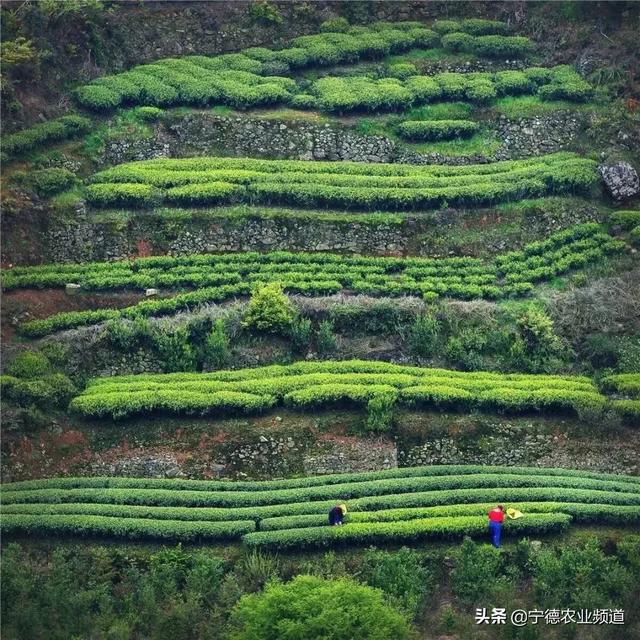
495, 515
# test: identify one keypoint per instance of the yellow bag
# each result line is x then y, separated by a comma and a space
514, 513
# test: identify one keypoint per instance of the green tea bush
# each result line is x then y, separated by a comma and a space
512, 83
402, 70
325, 610
122, 194
566, 84
495, 46
446, 26
437, 129
325, 338
339, 25
29, 364
63, 128
626, 219
46, 182
457, 42
481, 27
301, 335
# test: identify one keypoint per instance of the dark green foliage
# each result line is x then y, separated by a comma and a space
175, 350
324, 610
476, 574
301, 335
325, 338
424, 335
400, 574
217, 353
579, 578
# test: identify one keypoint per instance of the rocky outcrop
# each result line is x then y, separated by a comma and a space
621, 180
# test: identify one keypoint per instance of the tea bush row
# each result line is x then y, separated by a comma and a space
219, 278
252, 77
116, 482
66, 127
304, 183
403, 531
253, 389
420, 130
131, 528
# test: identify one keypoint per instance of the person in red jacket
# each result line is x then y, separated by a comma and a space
496, 518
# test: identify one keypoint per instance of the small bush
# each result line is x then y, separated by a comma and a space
480, 27
148, 114
301, 335
174, 350
269, 310
217, 352
304, 101
48, 182
325, 338
324, 610
424, 336
29, 364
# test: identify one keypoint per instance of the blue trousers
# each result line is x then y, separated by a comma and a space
496, 530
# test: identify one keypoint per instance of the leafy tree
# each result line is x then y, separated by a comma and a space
301, 334
174, 349
269, 310
310, 608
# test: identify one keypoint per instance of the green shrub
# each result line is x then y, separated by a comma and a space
424, 335
477, 572
626, 219
325, 338
304, 101
580, 577
301, 335
437, 129
29, 364
53, 389
502, 46
512, 83
148, 114
97, 97
217, 352
380, 412
325, 609
400, 574
175, 350
269, 310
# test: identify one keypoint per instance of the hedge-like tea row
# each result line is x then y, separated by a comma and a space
136, 528
252, 77
205, 181
403, 531
220, 277
115, 482
627, 383
62, 128
435, 502
420, 130
347, 94
620, 514
310, 384
490, 46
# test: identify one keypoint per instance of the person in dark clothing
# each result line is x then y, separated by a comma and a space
496, 518
337, 514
